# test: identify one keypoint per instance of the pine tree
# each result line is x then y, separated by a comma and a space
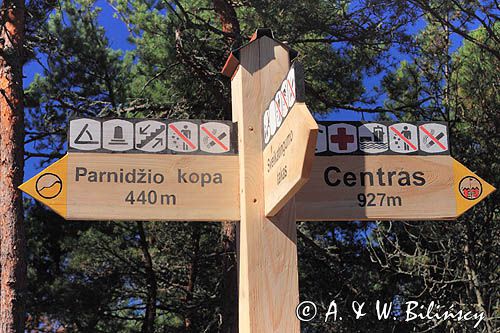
130, 277
450, 261
12, 248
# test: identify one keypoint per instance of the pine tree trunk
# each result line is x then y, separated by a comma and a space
230, 279
229, 21
13, 242
191, 281
230, 25
148, 325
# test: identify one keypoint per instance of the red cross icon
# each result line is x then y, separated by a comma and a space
342, 138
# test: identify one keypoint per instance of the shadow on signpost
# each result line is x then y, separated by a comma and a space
281, 219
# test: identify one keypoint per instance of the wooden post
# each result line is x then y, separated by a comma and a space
267, 253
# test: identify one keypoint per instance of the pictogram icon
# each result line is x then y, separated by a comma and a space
150, 136
266, 123
470, 188
117, 135
274, 118
48, 185
373, 138
433, 138
321, 143
85, 134
215, 137
183, 136
342, 138
403, 138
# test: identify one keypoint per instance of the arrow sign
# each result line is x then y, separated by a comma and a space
288, 158
93, 186
389, 187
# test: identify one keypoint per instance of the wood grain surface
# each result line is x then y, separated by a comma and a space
267, 254
399, 198
288, 158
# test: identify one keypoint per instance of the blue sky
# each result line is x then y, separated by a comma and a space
117, 33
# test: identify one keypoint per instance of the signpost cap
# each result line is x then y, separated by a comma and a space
233, 61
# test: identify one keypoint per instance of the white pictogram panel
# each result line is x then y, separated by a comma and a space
85, 134
403, 138
373, 138
321, 143
433, 138
274, 117
290, 87
342, 138
183, 136
117, 135
150, 136
266, 121
215, 137
287, 93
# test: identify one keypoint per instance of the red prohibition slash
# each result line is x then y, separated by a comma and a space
432, 137
216, 140
284, 99
398, 133
291, 89
182, 136
278, 107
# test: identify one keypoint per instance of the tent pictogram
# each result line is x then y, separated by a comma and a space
85, 134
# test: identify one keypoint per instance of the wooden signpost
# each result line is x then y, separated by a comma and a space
267, 249
387, 171
139, 187
388, 187
288, 158
290, 134
142, 169
138, 169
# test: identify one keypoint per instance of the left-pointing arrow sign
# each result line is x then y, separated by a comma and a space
50, 186
139, 187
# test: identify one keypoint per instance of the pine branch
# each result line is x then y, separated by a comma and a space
29, 154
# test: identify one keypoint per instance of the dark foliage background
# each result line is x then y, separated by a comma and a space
403, 59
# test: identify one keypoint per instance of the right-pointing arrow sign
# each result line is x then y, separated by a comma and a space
469, 188
389, 187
